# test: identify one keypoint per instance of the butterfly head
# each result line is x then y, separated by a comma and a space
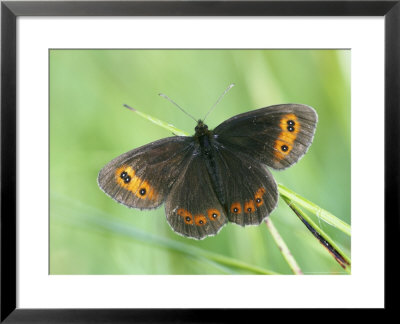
201, 128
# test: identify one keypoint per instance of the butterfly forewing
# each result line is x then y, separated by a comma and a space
249, 191
142, 178
277, 136
192, 207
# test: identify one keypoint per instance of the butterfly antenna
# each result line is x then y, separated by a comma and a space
219, 99
173, 102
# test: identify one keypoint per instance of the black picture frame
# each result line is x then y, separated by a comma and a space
10, 10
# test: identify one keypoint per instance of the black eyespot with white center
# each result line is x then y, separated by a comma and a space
214, 215
188, 219
290, 122
127, 179
142, 191
235, 209
290, 128
258, 200
284, 148
123, 174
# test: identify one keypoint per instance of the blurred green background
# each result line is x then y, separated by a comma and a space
92, 234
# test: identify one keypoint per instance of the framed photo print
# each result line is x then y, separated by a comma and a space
158, 153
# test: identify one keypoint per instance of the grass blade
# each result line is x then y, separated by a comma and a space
283, 247
96, 219
322, 237
315, 209
159, 122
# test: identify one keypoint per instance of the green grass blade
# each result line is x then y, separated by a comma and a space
288, 256
347, 264
315, 209
159, 122
161, 242
96, 219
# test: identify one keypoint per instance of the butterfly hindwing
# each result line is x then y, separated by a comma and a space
192, 207
250, 192
277, 136
143, 177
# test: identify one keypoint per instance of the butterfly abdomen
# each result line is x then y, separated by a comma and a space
207, 151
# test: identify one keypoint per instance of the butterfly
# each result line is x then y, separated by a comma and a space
215, 176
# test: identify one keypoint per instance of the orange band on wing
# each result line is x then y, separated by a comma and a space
126, 178
290, 127
213, 214
258, 197
187, 217
249, 206
236, 208
200, 220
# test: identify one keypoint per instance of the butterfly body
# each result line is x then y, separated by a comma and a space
207, 147
215, 176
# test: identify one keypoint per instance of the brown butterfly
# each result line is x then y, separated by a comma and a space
214, 176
